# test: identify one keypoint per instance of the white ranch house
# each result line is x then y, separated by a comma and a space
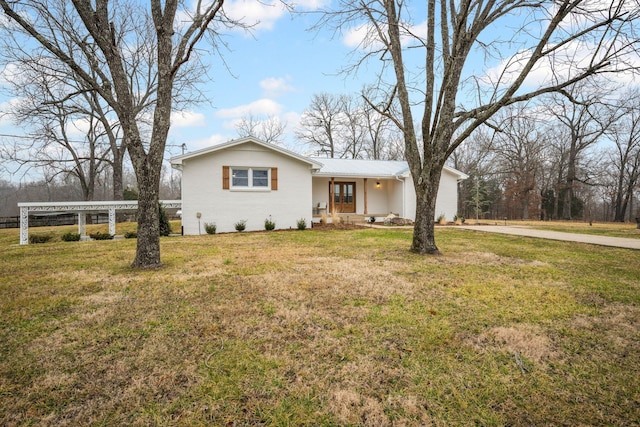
247, 179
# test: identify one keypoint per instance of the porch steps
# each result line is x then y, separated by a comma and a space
349, 218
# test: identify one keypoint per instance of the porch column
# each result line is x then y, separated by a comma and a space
332, 197
366, 211
112, 221
82, 225
24, 225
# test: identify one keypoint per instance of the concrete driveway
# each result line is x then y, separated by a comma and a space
618, 242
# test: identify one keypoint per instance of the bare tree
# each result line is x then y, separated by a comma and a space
320, 124
518, 149
476, 158
111, 34
625, 156
586, 119
353, 132
54, 108
345, 126
269, 130
427, 67
383, 141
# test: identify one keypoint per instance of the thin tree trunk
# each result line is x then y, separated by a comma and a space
118, 175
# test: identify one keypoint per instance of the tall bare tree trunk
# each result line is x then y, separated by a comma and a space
424, 228
148, 242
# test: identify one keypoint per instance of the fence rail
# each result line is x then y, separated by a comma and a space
53, 220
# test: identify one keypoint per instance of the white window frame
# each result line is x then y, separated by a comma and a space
250, 184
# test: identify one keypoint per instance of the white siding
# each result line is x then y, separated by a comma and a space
397, 199
447, 201
202, 191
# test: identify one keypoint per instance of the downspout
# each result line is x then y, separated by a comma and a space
403, 189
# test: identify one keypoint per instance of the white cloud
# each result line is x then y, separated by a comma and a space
365, 36
592, 11
309, 4
181, 119
8, 73
273, 87
262, 15
567, 62
356, 36
5, 108
261, 107
197, 144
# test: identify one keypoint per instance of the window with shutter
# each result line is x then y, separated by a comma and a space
252, 179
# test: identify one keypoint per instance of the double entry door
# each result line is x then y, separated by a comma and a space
344, 196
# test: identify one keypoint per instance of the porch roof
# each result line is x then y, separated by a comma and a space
377, 169
358, 168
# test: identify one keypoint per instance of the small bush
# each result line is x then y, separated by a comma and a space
131, 235
70, 237
101, 236
302, 224
269, 225
241, 225
323, 219
40, 238
165, 226
210, 228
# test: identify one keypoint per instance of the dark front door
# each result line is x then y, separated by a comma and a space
344, 196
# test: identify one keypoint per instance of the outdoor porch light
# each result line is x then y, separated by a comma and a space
377, 184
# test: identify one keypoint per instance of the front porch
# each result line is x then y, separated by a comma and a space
355, 200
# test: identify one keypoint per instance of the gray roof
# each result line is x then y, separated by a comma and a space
357, 168
361, 168
347, 168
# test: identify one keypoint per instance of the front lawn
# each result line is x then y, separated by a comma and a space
320, 327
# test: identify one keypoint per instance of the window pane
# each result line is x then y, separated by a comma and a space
240, 177
260, 178
348, 193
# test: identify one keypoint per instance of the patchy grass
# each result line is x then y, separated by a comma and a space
320, 327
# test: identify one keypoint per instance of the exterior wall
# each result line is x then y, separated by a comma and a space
320, 192
202, 191
377, 198
397, 198
447, 202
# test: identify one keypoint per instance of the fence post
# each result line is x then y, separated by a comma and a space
24, 225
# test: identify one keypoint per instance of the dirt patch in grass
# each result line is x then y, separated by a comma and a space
519, 340
618, 326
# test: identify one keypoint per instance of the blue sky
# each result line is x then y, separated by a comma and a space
276, 70
273, 72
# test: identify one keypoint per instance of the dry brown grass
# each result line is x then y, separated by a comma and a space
321, 328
